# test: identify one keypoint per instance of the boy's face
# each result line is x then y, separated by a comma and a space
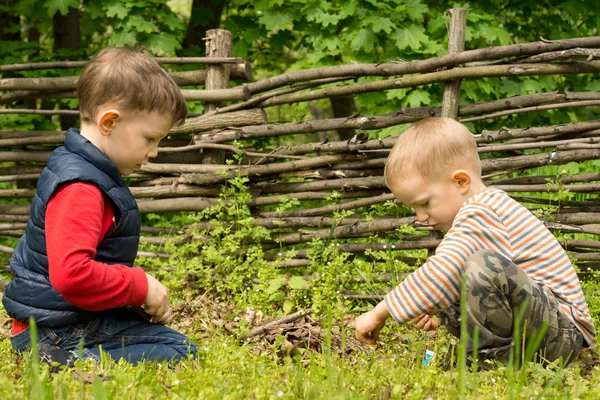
435, 203
132, 137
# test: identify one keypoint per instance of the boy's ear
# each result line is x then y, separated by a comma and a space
463, 180
108, 120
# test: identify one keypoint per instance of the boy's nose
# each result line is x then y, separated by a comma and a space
422, 217
153, 153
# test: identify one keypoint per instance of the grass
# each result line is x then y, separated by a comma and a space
232, 369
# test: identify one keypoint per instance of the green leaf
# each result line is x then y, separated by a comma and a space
122, 38
288, 306
164, 43
413, 37
297, 282
277, 296
365, 41
416, 10
275, 285
141, 24
417, 97
396, 94
593, 86
274, 19
325, 19
379, 24
60, 5
117, 9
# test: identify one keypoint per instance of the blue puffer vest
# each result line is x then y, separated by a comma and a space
30, 293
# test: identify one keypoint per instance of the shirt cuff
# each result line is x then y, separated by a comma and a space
139, 287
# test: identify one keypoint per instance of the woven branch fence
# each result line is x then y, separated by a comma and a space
190, 170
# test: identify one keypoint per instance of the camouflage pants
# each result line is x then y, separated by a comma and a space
496, 292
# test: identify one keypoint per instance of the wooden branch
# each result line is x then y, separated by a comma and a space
431, 64
581, 188
330, 209
537, 145
182, 78
345, 231
564, 129
155, 168
218, 121
537, 160
404, 115
259, 99
257, 170
285, 222
261, 330
456, 44
178, 204
533, 180
44, 139
30, 156
270, 200
592, 67
334, 184
584, 103
25, 111
81, 64
169, 191
589, 54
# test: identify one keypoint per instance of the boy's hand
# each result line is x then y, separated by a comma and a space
157, 302
426, 321
368, 325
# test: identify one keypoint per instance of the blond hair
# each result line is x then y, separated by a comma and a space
132, 79
430, 149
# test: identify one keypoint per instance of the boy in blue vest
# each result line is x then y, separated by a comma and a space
73, 267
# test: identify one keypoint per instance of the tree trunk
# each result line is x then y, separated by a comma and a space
343, 106
67, 35
206, 14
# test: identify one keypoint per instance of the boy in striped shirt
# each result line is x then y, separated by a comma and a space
509, 258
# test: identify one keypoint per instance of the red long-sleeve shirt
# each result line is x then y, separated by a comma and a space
78, 217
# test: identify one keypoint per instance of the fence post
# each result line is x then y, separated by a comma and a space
456, 43
218, 44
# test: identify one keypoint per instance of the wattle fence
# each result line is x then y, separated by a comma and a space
343, 175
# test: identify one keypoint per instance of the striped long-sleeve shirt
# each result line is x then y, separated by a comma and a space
491, 220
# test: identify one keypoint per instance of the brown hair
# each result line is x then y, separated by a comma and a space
431, 148
132, 79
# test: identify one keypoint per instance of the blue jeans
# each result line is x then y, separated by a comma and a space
122, 334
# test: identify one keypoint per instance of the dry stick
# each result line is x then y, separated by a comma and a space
589, 54
581, 188
81, 64
45, 139
583, 103
40, 112
261, 330
563, 129
536, 145
330, 209
285, 222
208, 179
263, 97
227, 147
217, 121
437, 77
405, 115
532, 180
356, 230
69, 83
431, 64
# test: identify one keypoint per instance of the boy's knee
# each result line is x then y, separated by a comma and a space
487, 263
